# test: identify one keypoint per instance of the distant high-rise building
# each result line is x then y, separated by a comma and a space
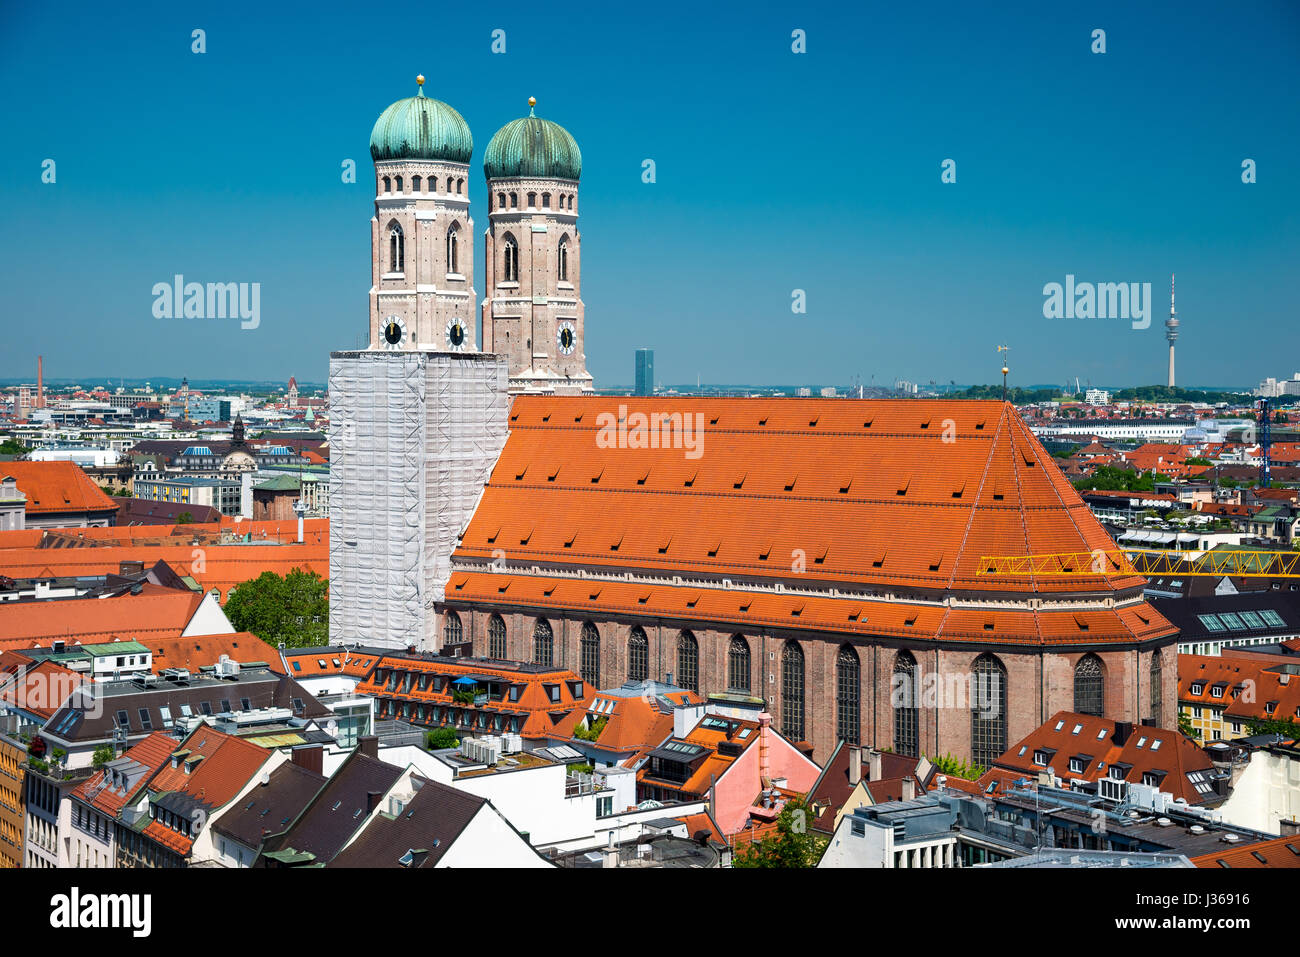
1171, 330
645, 372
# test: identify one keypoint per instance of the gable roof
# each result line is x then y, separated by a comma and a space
155, 612
109, 792
270, 808
1279, 852
431, 822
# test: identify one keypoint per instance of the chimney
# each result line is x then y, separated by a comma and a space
855, 764
372, 800
369, 746
876, 770
909, 788
1289, 828
1123, 729
311, 757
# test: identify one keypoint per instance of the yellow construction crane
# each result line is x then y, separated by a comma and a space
1145, 561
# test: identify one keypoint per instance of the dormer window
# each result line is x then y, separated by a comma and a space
1198, 687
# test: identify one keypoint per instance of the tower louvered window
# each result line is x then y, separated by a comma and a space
1157, 681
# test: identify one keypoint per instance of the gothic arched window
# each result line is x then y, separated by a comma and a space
496, 637
589, 654
688, 662
453, 260
988, 716
564, 259
415, 184
397, 181
543, 643
514, 200
546, 200
396, 249
1089, 686
792, 710
510, 263
452, 632
501, 200
848, 675
638, 655
738, 665
903, 694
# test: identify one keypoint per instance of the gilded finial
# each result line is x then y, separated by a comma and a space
532, 102
419, 81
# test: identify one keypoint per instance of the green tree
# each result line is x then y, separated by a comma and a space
1185, 727
956, 768
103, 754
793, 845
1287, 727
13, 447
184, 518
440, 738
292, 608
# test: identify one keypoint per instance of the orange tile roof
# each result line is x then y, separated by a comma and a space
199, 651
152, 752
156, 612
632, 723
1279, 852
540, 714
225, 764
53, 487
862, 494
331, 660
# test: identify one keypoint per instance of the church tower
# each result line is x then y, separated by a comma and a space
422, 260
533, 312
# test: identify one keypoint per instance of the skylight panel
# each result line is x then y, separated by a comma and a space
1272, 618
1232, 621
1060, 725
1251, 619
1155, 745
1211, 622
1077, 729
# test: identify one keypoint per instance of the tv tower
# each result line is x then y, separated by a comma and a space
1171, 330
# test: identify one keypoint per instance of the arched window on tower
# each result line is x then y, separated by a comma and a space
510, 262
546, 200
688, 662
589, 655
563, 265
738, 665
496, 637
415, 184
988, 715
453, 259
397, 181
543, 643
452, 632
1089, 686
460, 186
638, 655
532, 200
388, 185
792, 710
501, 200
848, 695
514, 200
903, 695
396, 249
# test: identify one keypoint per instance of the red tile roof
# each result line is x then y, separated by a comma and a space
866, 494
41, 689
156, 612
1067, 736
152, 753
54, 487
198, 651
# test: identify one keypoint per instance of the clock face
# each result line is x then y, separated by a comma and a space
456, 335
565, 338
394, 332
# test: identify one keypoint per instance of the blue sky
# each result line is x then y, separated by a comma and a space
775, 171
